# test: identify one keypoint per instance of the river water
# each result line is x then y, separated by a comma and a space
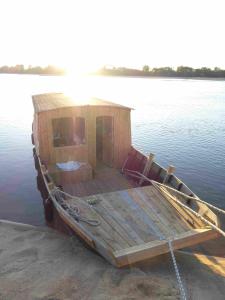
182, 121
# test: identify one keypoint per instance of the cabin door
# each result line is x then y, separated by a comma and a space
104, 140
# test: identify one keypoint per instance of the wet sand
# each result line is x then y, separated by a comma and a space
40, 263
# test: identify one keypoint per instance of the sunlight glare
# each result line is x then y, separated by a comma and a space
79, 87
92, 33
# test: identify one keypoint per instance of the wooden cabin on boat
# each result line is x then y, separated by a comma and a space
108, 191
89, 130
92, 131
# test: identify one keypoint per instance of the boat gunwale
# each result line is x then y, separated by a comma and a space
215, 219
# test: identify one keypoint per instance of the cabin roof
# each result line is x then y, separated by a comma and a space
51, 101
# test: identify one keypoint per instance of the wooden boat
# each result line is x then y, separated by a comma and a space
93, 176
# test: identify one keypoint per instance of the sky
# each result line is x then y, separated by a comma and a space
85, 35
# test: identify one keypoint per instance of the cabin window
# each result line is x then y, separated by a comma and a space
68, 131
62, 132
79, 131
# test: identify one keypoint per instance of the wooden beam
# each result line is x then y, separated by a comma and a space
171, 169
145, 251
147, 167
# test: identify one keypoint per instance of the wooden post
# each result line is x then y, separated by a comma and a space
147, 166
171, 169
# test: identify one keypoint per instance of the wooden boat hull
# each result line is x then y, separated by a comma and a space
132, 254
133, 218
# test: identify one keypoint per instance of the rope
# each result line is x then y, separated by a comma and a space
156, 184
124, 164
194, 212
140, 175
190, 197
57, 189
73, 210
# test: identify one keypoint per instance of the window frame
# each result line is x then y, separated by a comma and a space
73, 124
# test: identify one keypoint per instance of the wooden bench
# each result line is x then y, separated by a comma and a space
61, 177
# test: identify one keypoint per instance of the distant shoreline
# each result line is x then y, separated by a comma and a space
127, 76
162, 77
183, 72
164, 72
36, 74
32, 70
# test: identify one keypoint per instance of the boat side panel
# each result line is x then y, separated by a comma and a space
35, 131
137, 160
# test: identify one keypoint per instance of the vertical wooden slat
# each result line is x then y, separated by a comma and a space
147, 167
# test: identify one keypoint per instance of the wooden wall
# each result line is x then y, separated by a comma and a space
86, 152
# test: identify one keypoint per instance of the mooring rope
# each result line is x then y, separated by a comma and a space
140, 175
194, 212
156, 184
190, 197
73, 210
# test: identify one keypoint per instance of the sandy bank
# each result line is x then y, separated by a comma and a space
39, 263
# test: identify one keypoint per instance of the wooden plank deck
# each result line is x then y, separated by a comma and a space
135, 222
105, 180
130, 218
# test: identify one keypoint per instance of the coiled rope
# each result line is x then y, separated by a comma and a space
72, 209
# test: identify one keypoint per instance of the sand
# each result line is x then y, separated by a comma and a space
40, 263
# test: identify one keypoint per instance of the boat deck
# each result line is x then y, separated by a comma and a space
135, 224
105, 180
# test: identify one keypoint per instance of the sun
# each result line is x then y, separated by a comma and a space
78, 84
81, 68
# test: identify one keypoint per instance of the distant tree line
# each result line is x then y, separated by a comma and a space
20, 69
181, 71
